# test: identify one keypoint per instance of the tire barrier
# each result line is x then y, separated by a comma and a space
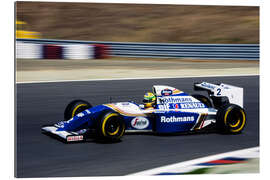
52, 52
164, 50
28, 50
101, 51
61, 51
78, 51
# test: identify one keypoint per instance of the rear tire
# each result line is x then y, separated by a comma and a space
75, 107
110, 127
203, 99
231, 118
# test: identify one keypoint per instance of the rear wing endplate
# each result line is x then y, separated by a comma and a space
234, 93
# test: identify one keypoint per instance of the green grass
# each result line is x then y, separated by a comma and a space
199, 171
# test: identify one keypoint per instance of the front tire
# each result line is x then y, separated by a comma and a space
231, 119
110, 127
75, 107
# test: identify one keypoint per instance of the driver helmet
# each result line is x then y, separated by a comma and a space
149, 100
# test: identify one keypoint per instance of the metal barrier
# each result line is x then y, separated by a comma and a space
169, 50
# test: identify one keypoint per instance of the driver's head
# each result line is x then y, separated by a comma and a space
149, 100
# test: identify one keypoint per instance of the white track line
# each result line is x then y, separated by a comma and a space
248, 153
140, 78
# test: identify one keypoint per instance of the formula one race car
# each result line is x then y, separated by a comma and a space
174, 112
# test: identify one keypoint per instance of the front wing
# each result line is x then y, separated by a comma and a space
63, 135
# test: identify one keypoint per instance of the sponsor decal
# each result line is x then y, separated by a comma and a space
166, 92
225, 87
192, 105
172, 119
173, 99
207, 85
163, 106
139, 122
74, 138
87, 111
80, 114
68, 121
59, 124
81, 131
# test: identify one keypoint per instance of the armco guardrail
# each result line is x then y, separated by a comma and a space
169, 50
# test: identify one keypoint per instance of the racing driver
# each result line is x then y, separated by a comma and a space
149, 100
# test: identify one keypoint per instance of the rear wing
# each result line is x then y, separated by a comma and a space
233, 93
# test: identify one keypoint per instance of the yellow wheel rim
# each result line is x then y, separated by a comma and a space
115, 132
236, 124
75, 109
243, 123
238, 121
104, 123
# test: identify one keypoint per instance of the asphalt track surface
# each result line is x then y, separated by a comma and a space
39, 155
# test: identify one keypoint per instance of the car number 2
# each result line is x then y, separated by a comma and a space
218, 92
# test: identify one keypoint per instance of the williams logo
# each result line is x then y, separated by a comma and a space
140, 123
172, 119
166, 92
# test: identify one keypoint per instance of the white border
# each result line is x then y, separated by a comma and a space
173, 2
7, 80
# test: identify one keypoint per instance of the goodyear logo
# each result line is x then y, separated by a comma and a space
207, 85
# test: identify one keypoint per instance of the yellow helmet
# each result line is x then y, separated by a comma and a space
149, 99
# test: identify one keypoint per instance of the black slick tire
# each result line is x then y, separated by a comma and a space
110, 127
231, 119
75, 107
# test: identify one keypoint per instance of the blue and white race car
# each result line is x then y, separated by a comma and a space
175, 112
